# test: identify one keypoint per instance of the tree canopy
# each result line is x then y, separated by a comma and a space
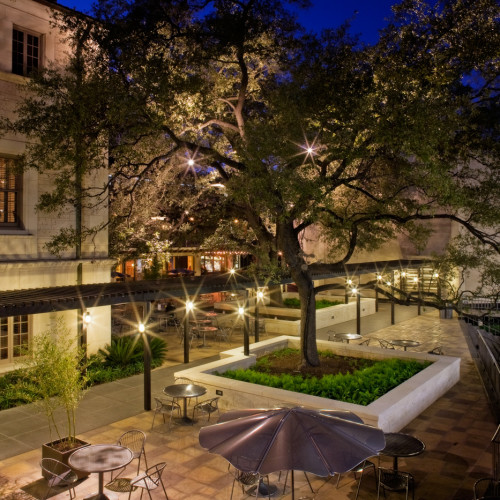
230, 112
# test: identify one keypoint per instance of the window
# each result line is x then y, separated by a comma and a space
14, 337
25, 52
10, 194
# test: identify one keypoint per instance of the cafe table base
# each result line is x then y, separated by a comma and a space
395, 481
264, 490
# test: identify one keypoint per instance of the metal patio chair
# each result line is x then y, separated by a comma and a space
487, 488
165, 407
135, 441
149, 480
385, 344
395, 480
252, 479
361, 469
58, 475
207, 407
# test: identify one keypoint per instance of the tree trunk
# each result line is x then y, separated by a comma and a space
300, 274
275, 296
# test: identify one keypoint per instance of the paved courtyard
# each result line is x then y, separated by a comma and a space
457, 430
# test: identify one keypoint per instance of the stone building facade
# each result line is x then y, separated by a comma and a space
28, 41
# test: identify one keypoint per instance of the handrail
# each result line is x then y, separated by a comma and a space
488, 368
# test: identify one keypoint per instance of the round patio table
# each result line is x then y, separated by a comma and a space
205, 330
398, 444
201, 321
404, 343
346, 337
100, 458
185, 391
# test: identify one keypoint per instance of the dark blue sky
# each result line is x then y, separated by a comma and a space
324, 14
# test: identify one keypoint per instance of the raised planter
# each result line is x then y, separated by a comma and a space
390, 412
48, 451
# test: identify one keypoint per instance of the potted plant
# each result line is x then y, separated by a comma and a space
55, 364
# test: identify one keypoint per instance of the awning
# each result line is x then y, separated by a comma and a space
61, 298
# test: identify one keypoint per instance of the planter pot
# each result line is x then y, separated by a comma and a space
49, 450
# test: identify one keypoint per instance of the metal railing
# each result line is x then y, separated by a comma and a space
487, 365
495, 441
479, 304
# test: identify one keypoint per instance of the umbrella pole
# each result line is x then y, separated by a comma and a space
293, 487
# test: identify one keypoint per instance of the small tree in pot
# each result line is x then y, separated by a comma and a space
55, 364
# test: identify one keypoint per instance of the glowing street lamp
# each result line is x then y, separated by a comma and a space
246, 336
189, 308
86, 320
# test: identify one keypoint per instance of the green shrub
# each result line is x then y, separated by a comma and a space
122, 358
361, 387
294, 303
127, 350
121, 351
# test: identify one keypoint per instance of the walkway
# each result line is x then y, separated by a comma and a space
457, 430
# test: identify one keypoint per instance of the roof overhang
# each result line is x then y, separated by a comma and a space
61, 298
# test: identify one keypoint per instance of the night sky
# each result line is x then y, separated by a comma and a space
324, 14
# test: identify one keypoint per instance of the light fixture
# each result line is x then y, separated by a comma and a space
189, 305
87, 318
349, 282
190, 162
415, 279
379, 277
141, 327
403, 274
354, 291
241, 310
260, 295
388, 283
232, 271
436, 275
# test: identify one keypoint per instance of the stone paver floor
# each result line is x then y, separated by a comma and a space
456, 429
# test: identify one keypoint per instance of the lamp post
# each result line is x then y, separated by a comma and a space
418, 281
86, 320
258, 298
379, 281
246, 336
189, 308
347, 286
147, 359
389, 284
355, 291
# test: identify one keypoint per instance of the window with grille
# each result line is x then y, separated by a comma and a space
25, 52
10, 193
14, 337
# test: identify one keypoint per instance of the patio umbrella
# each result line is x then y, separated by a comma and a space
270, 440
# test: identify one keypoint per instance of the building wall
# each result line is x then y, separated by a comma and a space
24, 259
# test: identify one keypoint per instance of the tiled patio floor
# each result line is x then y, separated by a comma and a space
456, 429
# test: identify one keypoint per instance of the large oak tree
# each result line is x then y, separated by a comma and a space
301, 130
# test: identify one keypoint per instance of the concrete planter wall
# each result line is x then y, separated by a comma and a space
391, 412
